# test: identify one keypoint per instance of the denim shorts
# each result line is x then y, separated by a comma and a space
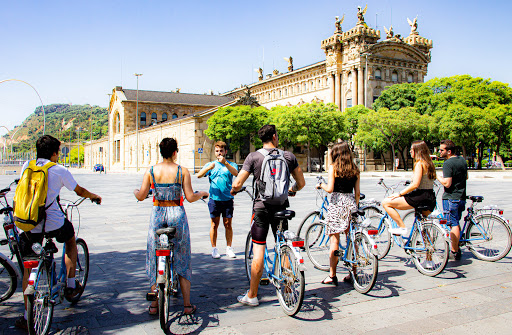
453, 211
220, 208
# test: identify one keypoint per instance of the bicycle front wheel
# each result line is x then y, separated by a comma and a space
290, 291
365, 266
313, 217
8, 280
39, 304
82, 267
164, 298
430, 249
317, 246
383, 238
489, 237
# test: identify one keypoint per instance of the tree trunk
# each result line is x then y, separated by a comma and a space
393, 156
309, 157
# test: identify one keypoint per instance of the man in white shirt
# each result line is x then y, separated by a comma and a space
56, 224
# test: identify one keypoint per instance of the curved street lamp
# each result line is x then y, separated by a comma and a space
41, 100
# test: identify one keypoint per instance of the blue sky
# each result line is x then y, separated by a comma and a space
77, 51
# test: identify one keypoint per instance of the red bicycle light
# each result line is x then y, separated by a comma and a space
443, 221
163, 252
373, 232
301, 261
161, 272
501, 212
375, 246
9, 226
298, 244
30, 264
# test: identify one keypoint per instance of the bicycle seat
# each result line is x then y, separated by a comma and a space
422, 209
357, 212
285, 215
168, 231
475, 198
361, 196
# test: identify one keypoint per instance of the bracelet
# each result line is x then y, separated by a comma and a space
294, 187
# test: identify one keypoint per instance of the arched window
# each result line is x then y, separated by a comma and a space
349, 77
409, 78
143, 119
394, 77
285, 92
164, 117
117, 123
185, 114
153, 118
280, 95
305, 87
149, 152
175, 116
291, 89
378, 74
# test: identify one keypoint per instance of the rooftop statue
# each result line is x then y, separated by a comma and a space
290, 63
338, 23
389, 33
260, 73
360, 14
414, 25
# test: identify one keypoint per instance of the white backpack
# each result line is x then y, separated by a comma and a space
274, 180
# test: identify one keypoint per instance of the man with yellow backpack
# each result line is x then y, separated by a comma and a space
36, 209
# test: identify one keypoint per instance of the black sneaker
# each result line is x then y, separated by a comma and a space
21, 323
456, 255
72, 293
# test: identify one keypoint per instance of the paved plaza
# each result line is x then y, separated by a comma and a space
470, 296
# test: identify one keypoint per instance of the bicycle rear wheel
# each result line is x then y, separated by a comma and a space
248, 256
82, 266
317, 246
164, 298
290, 292
366, 264
430, 249
383, 238
8, 280
39, 304
313, 217
490, 238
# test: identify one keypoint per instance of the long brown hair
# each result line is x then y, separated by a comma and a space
343, 161
422, 155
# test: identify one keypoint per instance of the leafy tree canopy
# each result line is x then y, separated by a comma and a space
397, 96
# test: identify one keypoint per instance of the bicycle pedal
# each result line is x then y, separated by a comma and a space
264, 281
151, 296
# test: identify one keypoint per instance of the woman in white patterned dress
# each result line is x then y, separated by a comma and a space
343, 183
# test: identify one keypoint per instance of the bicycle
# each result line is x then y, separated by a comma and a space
486, 233
166, 276
9, 272
45, 288
286, 270
359, 255
370, 207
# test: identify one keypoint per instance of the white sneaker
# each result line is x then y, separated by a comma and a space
230, 253
215, 253
428, 264
398, 231
245, 300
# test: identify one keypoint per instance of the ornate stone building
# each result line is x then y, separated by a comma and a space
358, 66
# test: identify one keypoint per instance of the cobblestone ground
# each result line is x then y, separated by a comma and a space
470, 296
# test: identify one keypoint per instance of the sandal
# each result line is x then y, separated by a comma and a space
330, 281
153, 310
193, 307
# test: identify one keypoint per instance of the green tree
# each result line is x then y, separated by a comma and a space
313, 125
74, 155
351, 119
235, 124
397, 96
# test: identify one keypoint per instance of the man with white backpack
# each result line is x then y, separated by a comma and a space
271, 168
51, 177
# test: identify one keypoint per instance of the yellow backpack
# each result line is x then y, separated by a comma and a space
30, 196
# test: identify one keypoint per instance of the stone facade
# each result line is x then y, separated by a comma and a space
355, 71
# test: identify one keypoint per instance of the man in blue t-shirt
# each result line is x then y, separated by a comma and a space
220, 174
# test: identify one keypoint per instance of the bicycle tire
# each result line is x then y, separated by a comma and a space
290, 292
318, 246
82, 267
39, 304
164, 298
8, 280
436, 248
248, 256
367, 264
501, 237
409, 218
174, 279
311, 218
383, 237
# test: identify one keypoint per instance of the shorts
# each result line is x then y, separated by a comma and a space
62, 235
263, 219
453, 211
220, 208
421, 198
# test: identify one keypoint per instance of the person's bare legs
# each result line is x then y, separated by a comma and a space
213, 231
229, 230
71, 255
391, 205
333, 259
185, 291
455, 237
258, 251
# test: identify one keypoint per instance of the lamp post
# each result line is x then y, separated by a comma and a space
90, 157
137, 120
365, 98
42, 105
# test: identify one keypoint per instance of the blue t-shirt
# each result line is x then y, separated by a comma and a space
220, 181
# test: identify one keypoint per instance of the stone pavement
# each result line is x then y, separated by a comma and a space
470, 296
